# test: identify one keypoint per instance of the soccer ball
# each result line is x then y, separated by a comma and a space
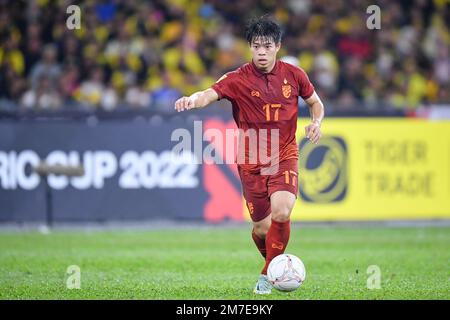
286, 272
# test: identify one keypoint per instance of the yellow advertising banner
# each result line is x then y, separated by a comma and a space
374, 169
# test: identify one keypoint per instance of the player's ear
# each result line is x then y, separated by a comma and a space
278, 46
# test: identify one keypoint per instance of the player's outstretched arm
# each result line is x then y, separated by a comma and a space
316, 109
199, 99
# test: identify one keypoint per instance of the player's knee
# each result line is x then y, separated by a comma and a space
261, 229
281, 212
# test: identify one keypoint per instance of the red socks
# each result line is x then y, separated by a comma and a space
260, 244
277, 239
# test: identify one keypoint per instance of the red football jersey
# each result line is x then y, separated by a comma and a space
265, 101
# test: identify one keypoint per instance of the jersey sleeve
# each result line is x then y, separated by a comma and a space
225, 86
306, 88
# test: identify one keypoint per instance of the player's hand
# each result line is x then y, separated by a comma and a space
312, 132
185, 103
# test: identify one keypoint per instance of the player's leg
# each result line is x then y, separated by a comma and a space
259, 208
259, 232
257, 200
283, 193
282, 203
276, 228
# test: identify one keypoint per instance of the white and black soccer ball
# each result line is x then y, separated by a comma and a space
286, 272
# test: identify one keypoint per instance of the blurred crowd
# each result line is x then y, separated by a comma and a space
146, 54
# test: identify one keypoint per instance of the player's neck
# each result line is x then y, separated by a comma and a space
267, 69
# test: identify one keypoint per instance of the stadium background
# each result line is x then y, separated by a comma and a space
102, 97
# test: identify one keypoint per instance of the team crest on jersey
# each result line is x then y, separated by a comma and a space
286, 90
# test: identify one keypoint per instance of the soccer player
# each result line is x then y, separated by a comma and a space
264, 95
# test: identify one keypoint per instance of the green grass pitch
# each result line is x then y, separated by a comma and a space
223, 263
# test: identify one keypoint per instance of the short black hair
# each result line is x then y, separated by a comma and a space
263, 27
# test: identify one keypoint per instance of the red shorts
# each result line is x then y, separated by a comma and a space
258, 188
